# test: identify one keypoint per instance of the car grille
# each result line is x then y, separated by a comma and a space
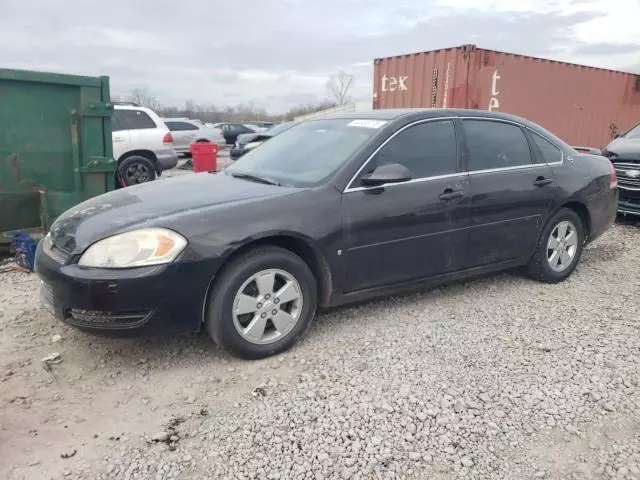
628, 174
106, 320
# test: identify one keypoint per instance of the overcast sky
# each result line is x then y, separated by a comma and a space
278, 53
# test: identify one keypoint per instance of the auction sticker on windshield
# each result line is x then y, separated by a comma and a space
367, 123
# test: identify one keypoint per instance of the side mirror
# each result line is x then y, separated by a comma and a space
391, 173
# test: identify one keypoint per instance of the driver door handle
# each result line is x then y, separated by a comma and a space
451, 194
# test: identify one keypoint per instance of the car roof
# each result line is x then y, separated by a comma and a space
413, 114
395, 113
132, 107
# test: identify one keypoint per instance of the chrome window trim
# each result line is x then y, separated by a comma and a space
349, 188
417, 180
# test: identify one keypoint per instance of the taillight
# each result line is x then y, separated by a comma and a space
613, 178
168, 138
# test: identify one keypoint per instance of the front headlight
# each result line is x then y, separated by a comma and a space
139, 248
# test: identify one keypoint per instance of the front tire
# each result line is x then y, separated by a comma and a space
559, 248
263, 301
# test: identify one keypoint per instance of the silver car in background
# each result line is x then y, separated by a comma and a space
186, 131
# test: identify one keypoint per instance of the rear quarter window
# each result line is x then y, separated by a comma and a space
547, 150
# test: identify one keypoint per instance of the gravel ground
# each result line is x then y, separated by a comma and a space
499, 378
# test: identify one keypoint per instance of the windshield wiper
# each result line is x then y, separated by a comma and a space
255, 178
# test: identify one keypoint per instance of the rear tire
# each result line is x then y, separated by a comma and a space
559, 248
134, 170
251, 316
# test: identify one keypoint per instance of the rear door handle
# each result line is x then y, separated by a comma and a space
541, 181
450, 194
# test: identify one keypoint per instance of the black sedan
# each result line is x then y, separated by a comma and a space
248, 141
624, 152
232, 130
331, 211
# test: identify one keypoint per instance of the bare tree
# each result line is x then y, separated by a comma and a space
141, 96
340, 87
212, 113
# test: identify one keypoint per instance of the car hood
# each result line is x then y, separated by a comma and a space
116, 211
624, 149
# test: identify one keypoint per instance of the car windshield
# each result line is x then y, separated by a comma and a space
307, 153
634, 133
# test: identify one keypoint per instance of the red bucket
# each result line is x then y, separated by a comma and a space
204, 156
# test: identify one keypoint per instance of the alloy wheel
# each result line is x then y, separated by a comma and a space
137, 173
267, 306
562, 246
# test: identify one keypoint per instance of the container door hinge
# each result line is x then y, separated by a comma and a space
98, 164
98, 109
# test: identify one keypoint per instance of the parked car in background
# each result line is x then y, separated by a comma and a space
249, 141
142, 144
266, 125
255, 128
624, 153
232, 130
392, 199
187, 131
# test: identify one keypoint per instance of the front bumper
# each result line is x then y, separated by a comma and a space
167, 158
148, 300
629, 204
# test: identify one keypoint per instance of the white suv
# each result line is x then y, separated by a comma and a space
142, 144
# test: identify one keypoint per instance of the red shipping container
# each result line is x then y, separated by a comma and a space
585, 106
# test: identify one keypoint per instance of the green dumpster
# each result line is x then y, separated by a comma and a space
55, 146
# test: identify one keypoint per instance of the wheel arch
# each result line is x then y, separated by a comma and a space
583, 212
295, 243
142, 153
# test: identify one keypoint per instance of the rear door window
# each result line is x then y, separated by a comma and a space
116, 122
495, 145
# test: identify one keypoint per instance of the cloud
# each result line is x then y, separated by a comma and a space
274, 54
603, 48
